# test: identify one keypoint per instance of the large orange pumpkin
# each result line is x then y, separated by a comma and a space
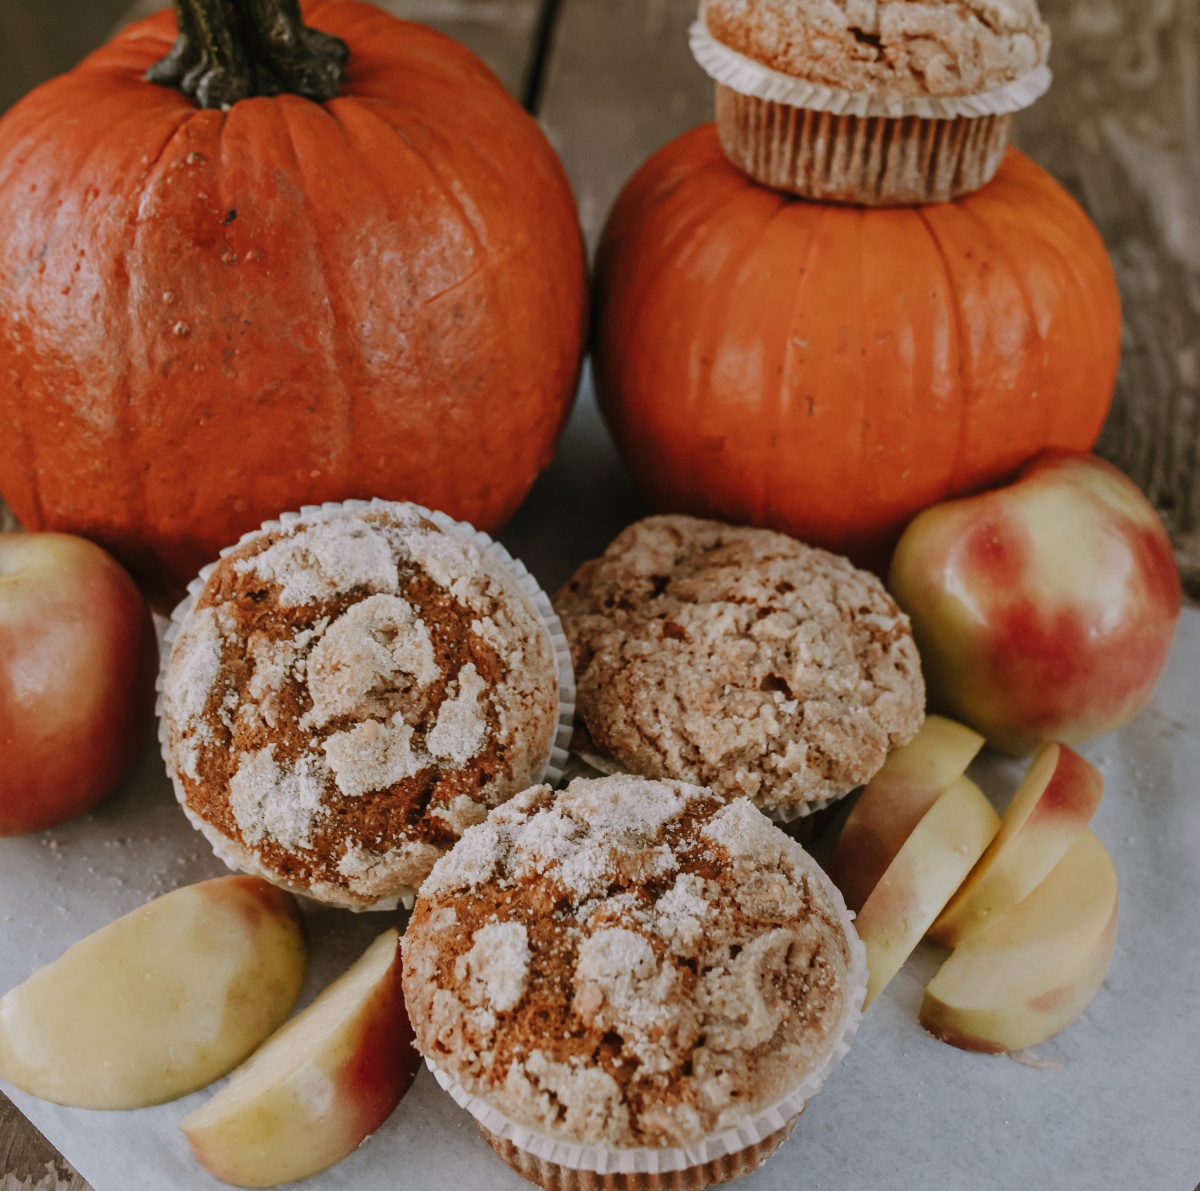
209, 316
830, 371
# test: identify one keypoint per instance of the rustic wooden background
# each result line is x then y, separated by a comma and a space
612, 80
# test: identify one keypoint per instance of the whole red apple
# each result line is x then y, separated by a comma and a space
1044, 610
77, 664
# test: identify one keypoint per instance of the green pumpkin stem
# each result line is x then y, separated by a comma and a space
233, 49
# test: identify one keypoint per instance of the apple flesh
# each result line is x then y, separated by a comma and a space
319, 1086
1044, 610
1034, 970
930, 866
78, 657
895, 800
159, 1003
1049, 811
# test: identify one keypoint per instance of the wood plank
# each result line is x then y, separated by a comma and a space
1121, 128
620, 83
28, 1162
501, 32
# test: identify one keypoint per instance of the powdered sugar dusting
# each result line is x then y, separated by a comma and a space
326, 560
195, 667
704, 955
497, 966
592, 827
461, 722
373, 756
747, 835
378, 647
330, 679
376, 875
282, 802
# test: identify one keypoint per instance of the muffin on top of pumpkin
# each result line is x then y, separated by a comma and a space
934, 47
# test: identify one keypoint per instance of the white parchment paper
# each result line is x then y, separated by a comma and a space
903, 1112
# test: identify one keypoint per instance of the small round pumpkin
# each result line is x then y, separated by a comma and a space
830, 370
209, 316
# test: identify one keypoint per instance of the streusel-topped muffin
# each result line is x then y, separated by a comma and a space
739, 659
909, 47
877, 102
348, 693
631, 964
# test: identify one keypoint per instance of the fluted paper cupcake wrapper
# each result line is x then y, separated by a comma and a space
725, 1169
240, 858
866, 148
754, 1130
779, 814
750, 77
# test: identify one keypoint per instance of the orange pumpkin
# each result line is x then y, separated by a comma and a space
830, 371
209, 316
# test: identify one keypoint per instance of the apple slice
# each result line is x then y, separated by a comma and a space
894, 802
1052, 806
1034, 970
319, 1086
927, 870
160, 1002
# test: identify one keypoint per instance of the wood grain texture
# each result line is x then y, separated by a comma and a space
1121, 128
28, 1162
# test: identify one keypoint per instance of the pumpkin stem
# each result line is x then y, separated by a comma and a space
232, 49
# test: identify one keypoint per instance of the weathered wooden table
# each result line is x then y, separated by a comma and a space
612, 80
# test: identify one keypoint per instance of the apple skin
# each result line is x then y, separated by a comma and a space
934, 860
1045, 610
1048, 813
895, 800
1035, 969
160, 1002
78, 659
318, 1087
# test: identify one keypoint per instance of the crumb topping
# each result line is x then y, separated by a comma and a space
901, 47
353, 691
629, 962
739, 659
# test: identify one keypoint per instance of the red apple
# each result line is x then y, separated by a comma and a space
1044, 610
78, 657
317, 1087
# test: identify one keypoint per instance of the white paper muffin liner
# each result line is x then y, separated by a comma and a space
750, 77
756, 1127
239, 858
778, 814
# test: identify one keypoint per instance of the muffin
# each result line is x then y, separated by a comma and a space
878, 102
738, 659
631, 975
349, 690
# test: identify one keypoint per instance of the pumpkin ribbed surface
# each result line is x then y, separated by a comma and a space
209, 317
830, 371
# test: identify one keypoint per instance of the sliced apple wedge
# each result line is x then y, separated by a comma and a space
319, 1086
895, 801
930, 866
159, 1003
1034, 970
1049, 811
